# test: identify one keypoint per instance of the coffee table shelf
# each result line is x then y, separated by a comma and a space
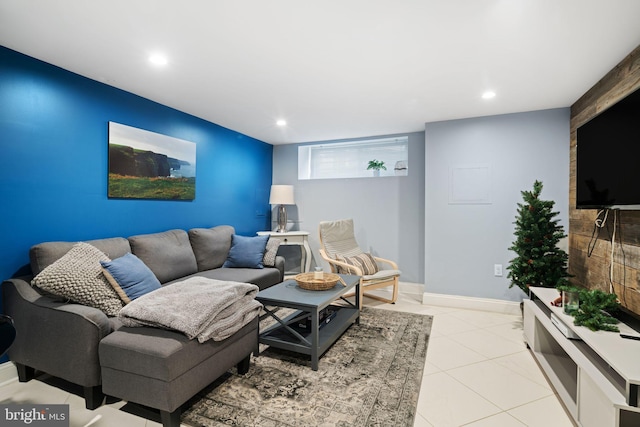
317, 340
277, 336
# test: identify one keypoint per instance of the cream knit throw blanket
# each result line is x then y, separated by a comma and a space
198, 307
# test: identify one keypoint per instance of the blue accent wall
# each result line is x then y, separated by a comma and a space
53, 172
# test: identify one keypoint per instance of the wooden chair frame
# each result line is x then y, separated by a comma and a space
366, 284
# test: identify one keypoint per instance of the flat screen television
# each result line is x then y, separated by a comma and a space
608, 157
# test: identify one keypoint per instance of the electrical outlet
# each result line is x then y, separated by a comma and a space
497, 270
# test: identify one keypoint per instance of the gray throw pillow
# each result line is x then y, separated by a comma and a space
78, 277
270, 252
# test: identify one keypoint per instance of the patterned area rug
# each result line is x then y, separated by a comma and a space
370, 377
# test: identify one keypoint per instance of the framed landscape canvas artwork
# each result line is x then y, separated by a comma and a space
148, 165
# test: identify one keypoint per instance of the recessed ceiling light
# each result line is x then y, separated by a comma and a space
488, 95
158, 59
281, 123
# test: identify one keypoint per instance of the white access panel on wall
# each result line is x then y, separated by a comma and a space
470, 184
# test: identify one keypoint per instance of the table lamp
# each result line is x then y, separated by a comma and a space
281, 195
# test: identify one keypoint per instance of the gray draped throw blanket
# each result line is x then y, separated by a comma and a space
198, 307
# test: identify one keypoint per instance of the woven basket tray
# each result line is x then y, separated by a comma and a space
306, 281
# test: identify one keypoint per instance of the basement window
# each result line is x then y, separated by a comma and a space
350, 159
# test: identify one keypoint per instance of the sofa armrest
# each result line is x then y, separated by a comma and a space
280, 266
58, 338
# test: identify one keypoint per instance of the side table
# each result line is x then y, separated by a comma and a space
298, 238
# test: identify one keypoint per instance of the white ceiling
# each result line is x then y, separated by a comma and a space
332, 68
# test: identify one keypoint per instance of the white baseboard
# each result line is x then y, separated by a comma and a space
472, 303
411, 288
8, 373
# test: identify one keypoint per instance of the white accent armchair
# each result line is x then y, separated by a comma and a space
339, 248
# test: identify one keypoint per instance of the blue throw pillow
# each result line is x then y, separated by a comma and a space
130, 277
246, 252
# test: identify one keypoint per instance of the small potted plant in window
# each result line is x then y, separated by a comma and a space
376, 165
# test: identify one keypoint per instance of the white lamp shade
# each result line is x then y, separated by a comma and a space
281, 195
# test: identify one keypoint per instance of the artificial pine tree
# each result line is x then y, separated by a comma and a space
539, 261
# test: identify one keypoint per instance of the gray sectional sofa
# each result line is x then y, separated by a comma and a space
155, 367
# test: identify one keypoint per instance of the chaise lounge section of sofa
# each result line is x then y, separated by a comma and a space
158, 368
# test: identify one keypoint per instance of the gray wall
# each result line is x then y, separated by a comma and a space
464, 241
388, 212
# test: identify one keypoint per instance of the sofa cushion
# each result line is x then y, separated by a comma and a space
167, 254
270, 252
211, 245
78, 277
159, 353
163, 369
44, 254
246, 252
129, 277
261, 277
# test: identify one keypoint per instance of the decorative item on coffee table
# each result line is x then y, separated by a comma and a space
309, 281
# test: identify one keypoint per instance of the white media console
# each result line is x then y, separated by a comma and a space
596, 374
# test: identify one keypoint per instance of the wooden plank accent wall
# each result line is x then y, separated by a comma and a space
593, 271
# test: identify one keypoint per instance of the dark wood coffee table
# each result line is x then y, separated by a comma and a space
315, 340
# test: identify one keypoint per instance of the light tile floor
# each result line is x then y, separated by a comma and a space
478, 373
